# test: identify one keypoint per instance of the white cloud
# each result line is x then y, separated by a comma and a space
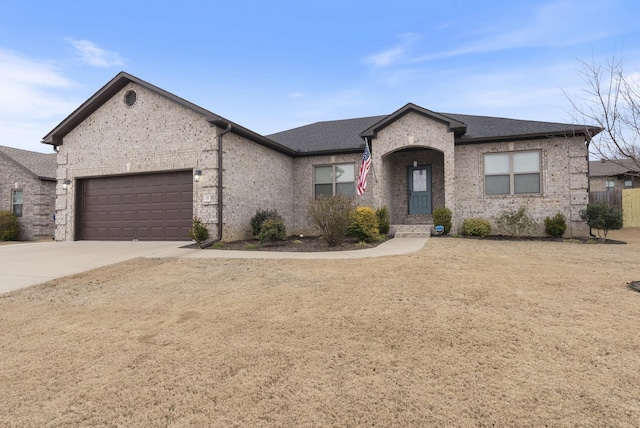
30, 104
94, 55
395, 54
547, 26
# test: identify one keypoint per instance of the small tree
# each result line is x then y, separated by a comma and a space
199, 232
516, 223
331, 215
603, 217
9, 226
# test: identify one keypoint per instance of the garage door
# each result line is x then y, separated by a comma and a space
148, 207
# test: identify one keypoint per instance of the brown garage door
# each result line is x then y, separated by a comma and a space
148, 207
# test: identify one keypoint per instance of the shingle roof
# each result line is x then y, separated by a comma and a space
608, 168
345, 135
330, 136
39, 164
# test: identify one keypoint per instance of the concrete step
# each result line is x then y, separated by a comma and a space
411, 230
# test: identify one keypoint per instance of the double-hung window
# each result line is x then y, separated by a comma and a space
337, 179
512, 173
16, 203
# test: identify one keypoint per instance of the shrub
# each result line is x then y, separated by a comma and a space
603, 217
384, 222
259, 217
272, 230
9, 226
442, 217
331, 215
199, 232
476, 227
516, 223
364, 224
556, 225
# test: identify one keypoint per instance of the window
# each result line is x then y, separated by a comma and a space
628, 184
338, 179
609, 184
16, 203
512, 173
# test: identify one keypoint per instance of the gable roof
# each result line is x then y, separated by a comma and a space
610, 168
454, 126
40, 165
121, 80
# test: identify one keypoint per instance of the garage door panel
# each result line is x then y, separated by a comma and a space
144, 207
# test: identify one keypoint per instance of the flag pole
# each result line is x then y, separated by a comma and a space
375, 177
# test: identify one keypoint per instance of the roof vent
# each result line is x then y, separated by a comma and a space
130, 98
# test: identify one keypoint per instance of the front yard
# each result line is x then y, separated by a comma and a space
462, 333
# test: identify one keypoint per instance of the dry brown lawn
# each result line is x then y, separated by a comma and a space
462, 333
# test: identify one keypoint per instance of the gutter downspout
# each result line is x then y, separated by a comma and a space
220, 200
589, 181
220, 187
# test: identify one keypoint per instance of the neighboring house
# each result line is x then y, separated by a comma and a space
143, 162
610, 175
28, 189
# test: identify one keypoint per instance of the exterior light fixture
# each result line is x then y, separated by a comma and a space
65, 184
415, 164
197, 174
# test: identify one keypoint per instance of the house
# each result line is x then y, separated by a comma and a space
28, 189
613, 175
142, 162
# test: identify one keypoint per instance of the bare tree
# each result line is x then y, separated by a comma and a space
611, 100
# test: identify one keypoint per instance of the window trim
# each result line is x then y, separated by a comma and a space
512, 174
13, 204
334, 183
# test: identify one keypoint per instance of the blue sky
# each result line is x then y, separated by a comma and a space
274, 65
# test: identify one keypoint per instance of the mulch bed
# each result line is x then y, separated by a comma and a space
295, 244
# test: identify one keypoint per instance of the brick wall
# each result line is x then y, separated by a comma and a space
303, 191
413, 137
564, 183
36, 222
156, 134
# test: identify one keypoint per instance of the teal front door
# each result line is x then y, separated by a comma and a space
419, 182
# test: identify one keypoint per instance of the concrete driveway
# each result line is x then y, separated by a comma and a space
27, 264
31, 263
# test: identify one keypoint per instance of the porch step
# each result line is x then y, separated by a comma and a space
410, 230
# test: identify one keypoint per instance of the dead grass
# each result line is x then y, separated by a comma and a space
462, 333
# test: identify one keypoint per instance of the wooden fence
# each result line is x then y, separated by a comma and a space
631, 207
627, 199
612, 197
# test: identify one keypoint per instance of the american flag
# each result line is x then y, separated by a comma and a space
364, 169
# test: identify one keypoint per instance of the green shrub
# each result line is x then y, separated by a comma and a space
272, 231
199, 232
442, 217
516, 223
259, 217
603, 217
556, 225
218, 245
384, 222
476, 227
331, 215
364, 224
9, 226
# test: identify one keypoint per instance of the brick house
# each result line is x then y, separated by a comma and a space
28, 188
143, 162
613, 175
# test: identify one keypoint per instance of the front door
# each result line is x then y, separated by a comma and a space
419, 183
